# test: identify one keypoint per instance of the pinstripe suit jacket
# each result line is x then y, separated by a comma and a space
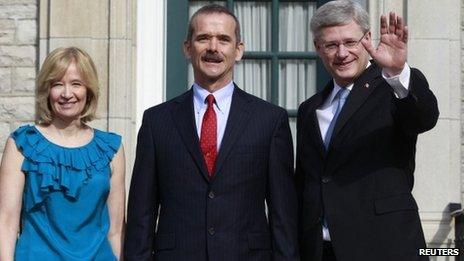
222, 218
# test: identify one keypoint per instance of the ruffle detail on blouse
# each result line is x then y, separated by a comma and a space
51, 167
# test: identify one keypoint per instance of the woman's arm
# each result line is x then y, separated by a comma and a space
116, 202
11, 192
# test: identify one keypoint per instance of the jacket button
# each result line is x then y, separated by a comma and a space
211, 231
326, 179
211, 195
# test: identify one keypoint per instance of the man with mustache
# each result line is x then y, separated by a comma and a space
210, 161
356, 142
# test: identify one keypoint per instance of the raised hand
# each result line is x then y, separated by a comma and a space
391, 53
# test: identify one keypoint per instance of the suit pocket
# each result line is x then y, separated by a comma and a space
165, 241
259, 241
395, 203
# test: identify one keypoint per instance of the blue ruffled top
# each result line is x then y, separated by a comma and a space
65, 214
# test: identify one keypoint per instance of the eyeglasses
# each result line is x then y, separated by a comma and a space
332, 47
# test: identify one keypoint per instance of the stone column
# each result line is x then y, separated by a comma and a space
122, 74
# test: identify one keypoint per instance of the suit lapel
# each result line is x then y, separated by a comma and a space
362, 88
184, 118
316, 134
238, 117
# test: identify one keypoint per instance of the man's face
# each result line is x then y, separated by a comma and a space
213, 50
344, 63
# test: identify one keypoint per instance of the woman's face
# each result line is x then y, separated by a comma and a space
68, 96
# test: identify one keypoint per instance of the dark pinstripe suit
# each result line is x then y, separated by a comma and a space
219, 219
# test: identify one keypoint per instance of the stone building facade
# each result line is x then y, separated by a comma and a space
131, 69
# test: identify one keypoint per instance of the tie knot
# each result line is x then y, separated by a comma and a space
210, 99
343, 93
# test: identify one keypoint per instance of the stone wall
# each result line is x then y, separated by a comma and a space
434, 47
461, 98
18, 64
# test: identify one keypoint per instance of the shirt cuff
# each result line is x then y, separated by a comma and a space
400, 82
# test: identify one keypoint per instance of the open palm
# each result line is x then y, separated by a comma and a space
391, 53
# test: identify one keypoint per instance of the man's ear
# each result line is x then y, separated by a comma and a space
186, 48
317, 47
239, 49
368, 36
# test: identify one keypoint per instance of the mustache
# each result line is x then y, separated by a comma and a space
212, 56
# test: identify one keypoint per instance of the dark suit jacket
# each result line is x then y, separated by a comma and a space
222, 218
363, 182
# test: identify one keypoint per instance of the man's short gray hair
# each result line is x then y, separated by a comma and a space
338, 12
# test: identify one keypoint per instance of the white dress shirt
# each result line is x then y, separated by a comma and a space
326, 111
223, 100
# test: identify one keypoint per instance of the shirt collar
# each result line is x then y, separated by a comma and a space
220, 96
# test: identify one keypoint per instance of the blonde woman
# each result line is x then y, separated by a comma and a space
63, 180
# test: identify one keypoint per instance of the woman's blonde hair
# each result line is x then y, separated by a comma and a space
53, 69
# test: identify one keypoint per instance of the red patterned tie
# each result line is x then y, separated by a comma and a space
208, 136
